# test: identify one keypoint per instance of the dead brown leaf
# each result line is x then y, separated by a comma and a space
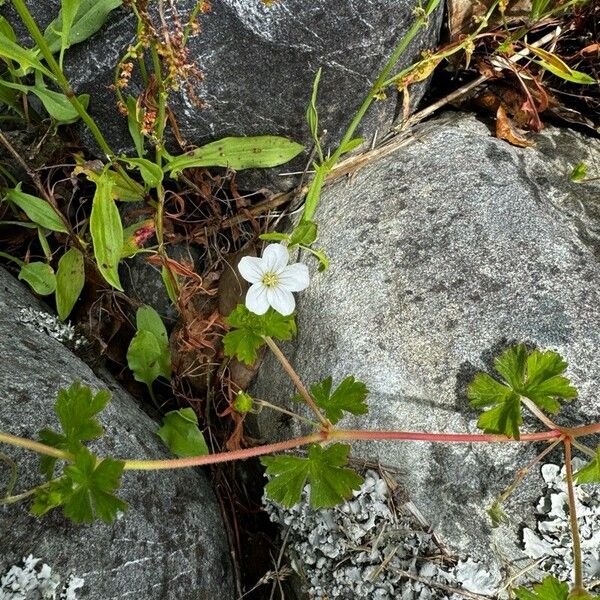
506, 130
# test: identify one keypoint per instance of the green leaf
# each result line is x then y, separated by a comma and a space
536, 375
89, 18
26, 58
93, 482
591, 472
40, 276
320, 256
70, 279
124, 188
135, 236
304, 233
330, 482
134, 118
579, 172
352, 144
551, 62
497, 515
314, 192
147, 319
151, 173
144, 357
38, 210
238, 153
274, 237
312, 114
180, 432
170, 282
67, 17
107, 232
549, 589
76, 408
349, 396
244, 341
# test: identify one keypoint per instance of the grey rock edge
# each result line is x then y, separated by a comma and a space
443, 254
170, 544
258, 65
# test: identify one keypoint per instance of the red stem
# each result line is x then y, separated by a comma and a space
419, 436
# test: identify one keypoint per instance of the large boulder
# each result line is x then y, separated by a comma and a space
171, 543
258, 64
443, 254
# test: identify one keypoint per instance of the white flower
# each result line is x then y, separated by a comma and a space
273, 280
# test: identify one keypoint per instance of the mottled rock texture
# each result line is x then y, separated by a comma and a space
442, 254
170, 544
259, 63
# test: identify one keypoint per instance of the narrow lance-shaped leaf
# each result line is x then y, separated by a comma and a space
70, 279
107, 232
238, 153
26, 58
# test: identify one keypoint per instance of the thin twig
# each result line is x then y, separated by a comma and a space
573, 520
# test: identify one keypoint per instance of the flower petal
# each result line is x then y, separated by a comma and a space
251, 268
294, 278
275, 258
281, 300
257, 300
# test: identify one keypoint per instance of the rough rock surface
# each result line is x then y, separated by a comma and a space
442, 254
171, 542
259, 63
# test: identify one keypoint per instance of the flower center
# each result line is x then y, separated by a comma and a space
270, 279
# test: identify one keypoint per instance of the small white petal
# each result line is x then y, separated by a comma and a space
275, 258
257, 300
294, 278
281, 300
251, 268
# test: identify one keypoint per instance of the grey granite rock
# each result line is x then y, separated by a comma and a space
170, 544
442, 254
259, 64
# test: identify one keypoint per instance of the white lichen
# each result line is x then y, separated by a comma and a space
35, 580
50, 325
365, 548
551, 540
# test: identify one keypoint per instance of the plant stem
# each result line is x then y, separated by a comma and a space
19, 497
573, 520
280, 356
539, 414
211, 459
285, 412
38, 447
62, 81
583, 448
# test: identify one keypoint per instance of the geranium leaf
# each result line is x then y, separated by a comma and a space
549, 589
324, 468
591, 472
349, 396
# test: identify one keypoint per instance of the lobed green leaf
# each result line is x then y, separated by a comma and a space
349, 396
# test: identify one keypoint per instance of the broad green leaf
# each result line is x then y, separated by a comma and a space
245, 340
124, 188
551, 62
144, 357
147, 319
324, 469
6, 30
134, 118
25, 57
77, 408
349, 396
591, 472
238, 153
151, 173
107, 232
70, 279
304, 233
181, 434
549, 589
579, 172
38, 210
40, 276
93, 482
89, 18
536, 375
